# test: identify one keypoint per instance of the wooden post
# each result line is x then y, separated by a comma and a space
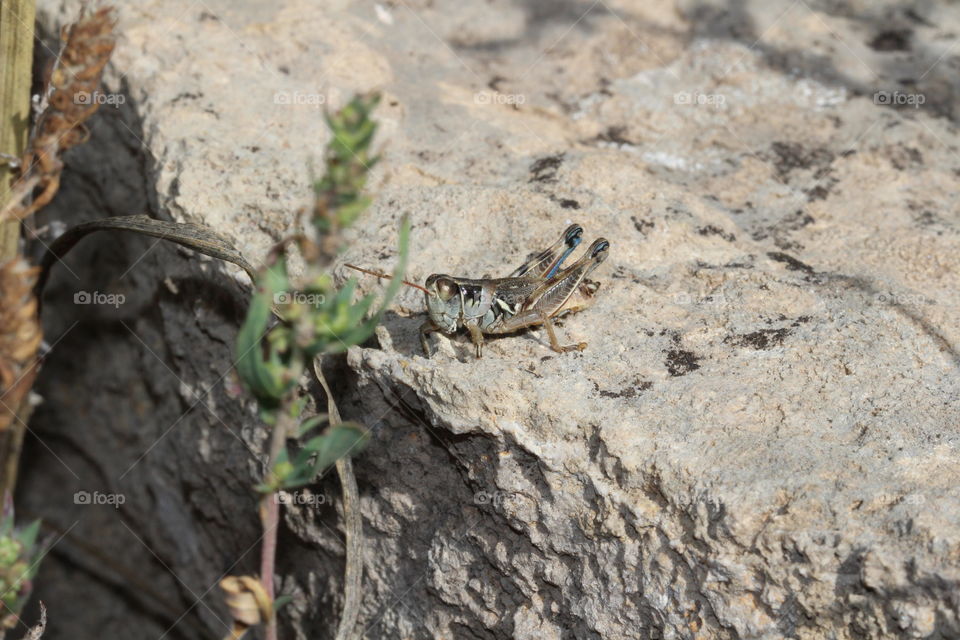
16, 70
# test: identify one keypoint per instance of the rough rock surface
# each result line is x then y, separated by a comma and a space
760, 440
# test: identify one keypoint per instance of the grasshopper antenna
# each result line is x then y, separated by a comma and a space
387, 276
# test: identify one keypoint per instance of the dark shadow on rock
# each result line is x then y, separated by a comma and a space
540, 15
412, 453
908, 65
906, 311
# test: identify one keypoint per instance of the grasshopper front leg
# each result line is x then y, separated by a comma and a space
477, 336
426, 329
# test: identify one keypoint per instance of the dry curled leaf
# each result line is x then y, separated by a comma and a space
187, 234
20, 336
248, 602
36, 631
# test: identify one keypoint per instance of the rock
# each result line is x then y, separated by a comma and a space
759, 440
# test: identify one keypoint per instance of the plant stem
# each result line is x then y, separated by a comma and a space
270, 517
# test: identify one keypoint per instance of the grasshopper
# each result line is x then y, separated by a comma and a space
535, 293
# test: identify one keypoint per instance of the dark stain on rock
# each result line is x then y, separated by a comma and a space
187, 95
567, 203
642, 225
791, 156
926, 218
903, 157
619, 273
821, 191
680, 362
762, 339
798, 220
780, 231
615, 135
913, 15
713, 230
891, 40
545, 169
639, 386
791, 263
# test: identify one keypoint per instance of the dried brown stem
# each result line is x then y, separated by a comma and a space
69, 99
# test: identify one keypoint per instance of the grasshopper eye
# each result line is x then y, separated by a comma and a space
446, 288
442, 286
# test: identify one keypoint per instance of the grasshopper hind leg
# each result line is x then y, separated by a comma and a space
534, 317
547, 262
567, 291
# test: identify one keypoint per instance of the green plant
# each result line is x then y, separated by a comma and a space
19, 559
316, 318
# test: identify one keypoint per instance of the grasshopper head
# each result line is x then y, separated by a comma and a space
443, 301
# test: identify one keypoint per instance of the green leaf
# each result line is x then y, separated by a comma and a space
310, 423
345, 439
28, 535
267, 377
340, 441
364, 330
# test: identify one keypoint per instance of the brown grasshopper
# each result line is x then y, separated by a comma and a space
535, 293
